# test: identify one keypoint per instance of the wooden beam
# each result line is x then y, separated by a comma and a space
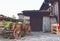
53, 0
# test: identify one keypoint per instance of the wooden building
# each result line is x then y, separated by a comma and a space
53, 7
41, 20
5, 18
36, 18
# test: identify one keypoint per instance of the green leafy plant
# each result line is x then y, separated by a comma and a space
22, 33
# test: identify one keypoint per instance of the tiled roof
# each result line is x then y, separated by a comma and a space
45, 4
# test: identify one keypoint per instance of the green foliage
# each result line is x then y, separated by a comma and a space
13, 16
22, 33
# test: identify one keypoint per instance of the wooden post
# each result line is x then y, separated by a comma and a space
59, 11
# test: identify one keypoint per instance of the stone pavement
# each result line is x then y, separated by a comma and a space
36, 36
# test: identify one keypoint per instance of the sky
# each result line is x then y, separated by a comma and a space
13, 7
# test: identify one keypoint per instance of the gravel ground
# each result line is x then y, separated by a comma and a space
36, 36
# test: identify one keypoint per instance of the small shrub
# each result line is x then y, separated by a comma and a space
22, 33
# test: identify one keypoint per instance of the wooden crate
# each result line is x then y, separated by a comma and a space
1, 29
58, 32
54, 28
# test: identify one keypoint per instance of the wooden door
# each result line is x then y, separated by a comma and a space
46, 24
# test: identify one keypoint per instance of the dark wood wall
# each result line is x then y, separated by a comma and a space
36, 19
36, 23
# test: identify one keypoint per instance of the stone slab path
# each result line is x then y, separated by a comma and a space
36, 36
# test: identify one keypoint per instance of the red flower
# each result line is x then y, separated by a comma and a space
59, 26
